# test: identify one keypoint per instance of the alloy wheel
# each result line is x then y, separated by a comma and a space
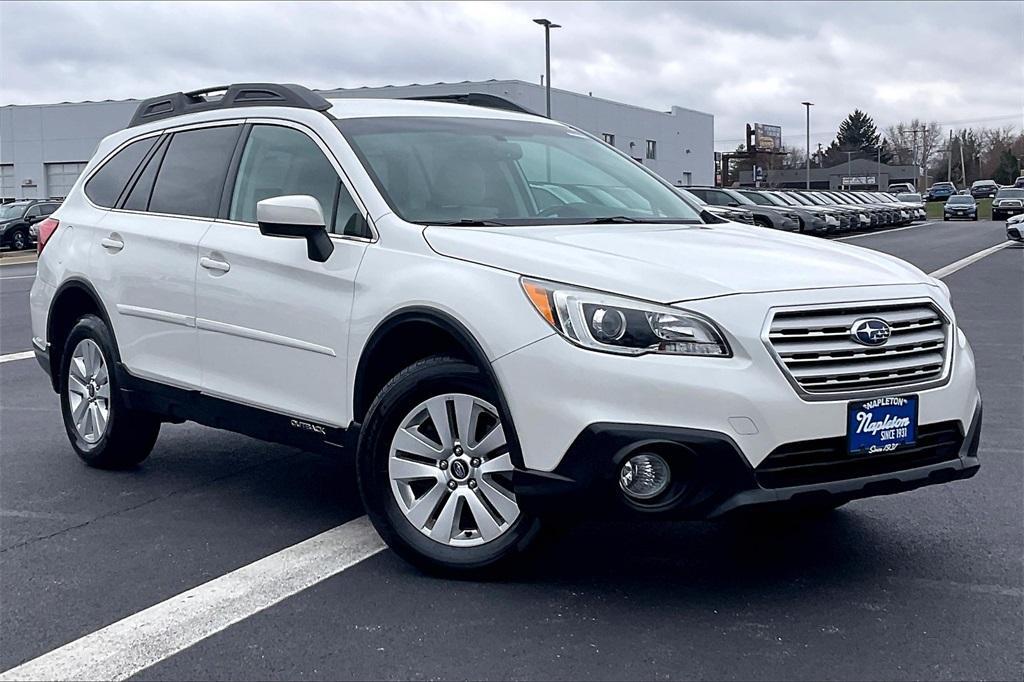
89, 391
450, 471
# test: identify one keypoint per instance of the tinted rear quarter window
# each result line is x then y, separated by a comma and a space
191, 177
138, 196
105, 186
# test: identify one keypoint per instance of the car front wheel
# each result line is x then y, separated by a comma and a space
435, 470
19, 240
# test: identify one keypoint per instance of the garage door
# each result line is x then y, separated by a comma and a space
60, 178
7, 182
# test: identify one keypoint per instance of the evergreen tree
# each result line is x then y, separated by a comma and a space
1008, 168
857, 133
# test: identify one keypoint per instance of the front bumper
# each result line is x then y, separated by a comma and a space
555, 390
711, 477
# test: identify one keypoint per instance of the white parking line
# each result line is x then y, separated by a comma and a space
874, 234
11, 357
18, 277
131, 645
948, 270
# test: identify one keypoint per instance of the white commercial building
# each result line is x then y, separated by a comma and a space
44, 147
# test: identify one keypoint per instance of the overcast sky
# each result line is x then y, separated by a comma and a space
744, 62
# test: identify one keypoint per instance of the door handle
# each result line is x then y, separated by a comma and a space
214, 265
112, 244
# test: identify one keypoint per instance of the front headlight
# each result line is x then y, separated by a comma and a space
616, 324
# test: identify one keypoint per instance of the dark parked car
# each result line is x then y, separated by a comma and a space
960, 206
1019, 183
902, 188
981, 189
765, 216
1008, 201
17, 218
940, 191
715, 214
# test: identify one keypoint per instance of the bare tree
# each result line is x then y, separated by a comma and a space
901, 139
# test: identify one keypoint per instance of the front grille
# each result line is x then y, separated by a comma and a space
1010, 203
817, 351
826, 460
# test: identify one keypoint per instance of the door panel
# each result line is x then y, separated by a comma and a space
273, 325
146, 264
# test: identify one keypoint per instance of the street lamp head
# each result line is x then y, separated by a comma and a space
807, 104
546, 22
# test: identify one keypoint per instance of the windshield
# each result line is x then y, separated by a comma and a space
441, 170
760, 199
1010, 194
12, 211
800, 199
783, 199
909, 197
960, 199
739, 198
816, 199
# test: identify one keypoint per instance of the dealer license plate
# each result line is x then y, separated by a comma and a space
881, 424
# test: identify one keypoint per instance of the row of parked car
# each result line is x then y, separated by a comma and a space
817, 212
979, 189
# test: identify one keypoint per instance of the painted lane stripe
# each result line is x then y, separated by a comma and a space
131, 645
881, 232
4, 279
948, 270
11, 357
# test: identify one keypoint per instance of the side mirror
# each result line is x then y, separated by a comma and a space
31, 220
296, 216
734, 203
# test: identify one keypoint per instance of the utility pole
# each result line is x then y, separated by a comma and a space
808, 105
917, 176
547, 60
949, 157
878, 173
849, 168
963, 168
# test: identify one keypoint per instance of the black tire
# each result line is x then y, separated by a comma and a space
129, 435
19, 240
946, 218
761, 222
420, 381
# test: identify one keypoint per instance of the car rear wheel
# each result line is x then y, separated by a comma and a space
435, 470
103, 431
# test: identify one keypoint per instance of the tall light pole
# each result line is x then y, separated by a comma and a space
808, 105
547, 60
849, 168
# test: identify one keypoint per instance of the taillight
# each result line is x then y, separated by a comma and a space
46, 230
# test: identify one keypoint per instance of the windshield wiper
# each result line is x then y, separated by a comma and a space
464, 222
624, 219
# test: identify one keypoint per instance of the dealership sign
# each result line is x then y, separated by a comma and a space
859, 180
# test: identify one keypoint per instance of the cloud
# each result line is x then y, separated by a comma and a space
743, 62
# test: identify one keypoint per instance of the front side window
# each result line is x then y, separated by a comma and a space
438, 170
36, 210
106, 184
279, 161
191, 176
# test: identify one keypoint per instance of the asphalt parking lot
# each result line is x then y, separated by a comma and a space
924, 585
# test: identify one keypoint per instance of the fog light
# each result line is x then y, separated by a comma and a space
644, 476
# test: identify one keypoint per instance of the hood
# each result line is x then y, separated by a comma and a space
670, 263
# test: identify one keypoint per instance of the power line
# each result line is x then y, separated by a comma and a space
940, 123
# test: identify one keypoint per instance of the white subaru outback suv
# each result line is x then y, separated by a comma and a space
502, 317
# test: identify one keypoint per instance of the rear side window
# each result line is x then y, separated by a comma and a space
106, 184
191, 177
138, 196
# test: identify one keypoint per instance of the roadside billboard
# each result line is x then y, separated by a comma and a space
767, 138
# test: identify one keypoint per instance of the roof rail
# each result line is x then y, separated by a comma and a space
237, 95
477, 99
